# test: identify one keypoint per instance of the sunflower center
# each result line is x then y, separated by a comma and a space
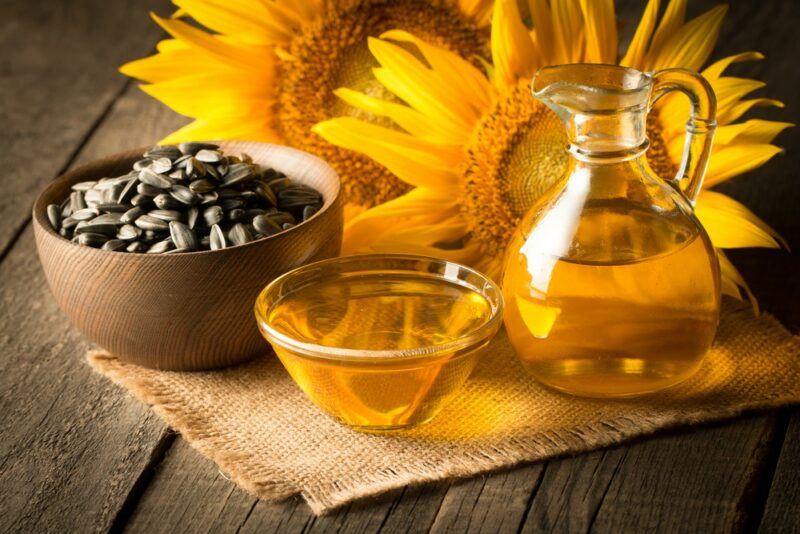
515, 155
333, 53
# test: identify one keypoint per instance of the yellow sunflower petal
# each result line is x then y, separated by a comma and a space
751, 131
513, 53
417, 207
567, 31
739, 109
410, 120
412, 81
737, 159
635, 55
542, 19
462, 76
246, 20
236, 128
174, 60
200, 96
244, 56
732, 280
673, 19
414, 161
690, 46
716, 69
479, 11
601, 31
730, 224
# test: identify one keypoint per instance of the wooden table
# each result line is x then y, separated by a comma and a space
78, 454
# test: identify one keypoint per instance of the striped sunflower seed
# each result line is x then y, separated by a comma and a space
166, 202
183, 194
194, 148
266, 226
114, 245
147, 176
166, 215
136, 246
213, 215
239, 234
131, 215
54, 216
216, 238
129, 232
160, 247
182, 236
92, 240
148, 222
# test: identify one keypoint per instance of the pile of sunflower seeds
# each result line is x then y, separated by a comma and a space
181, 199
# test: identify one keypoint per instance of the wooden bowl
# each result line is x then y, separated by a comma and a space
186, 311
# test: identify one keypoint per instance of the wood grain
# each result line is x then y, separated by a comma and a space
186, 311
73, 445
59, 71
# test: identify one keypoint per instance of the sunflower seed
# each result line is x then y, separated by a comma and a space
177, 251
106, 229
83, 186
224, 192
236, 215
166, 202
161, 165
208, 198
191, 216
211, 171
141, 200
208, 156
185, 195
281, 217
151, 236
148, 190
147, 176
112, 207
279, 184
216, 239
182, 161
128, 190
194, 148
231, 203
93, 197
286, 226
310, 210
239, 234
142, 163
85, 214
182, 235
205, 242
114, 244
195, 168
136, 246
148, 222
213, 215
131, 215
238, 173
266, 193
92, 240
178, 175
54, 215
164, 151
266, 226
76, 202
160, 247
69, 222
128, 232
201, 186
108, 218
166, 215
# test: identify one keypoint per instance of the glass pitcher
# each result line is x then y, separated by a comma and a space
611, 284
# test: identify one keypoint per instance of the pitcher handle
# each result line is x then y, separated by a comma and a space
699, 128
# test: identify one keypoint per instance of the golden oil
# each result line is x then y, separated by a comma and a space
390, 371
632, 310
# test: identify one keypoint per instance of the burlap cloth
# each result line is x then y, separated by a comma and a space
265, 435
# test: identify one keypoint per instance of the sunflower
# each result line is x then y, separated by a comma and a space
266, 70
478, 149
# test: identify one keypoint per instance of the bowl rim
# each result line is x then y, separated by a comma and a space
474, 338
39, 210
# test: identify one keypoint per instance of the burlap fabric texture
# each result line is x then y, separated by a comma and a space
266, 436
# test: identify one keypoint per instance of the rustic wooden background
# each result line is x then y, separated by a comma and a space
78, 454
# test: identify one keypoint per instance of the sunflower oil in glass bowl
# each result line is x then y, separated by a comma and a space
380, 342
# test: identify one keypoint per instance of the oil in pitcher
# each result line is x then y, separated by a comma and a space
611, 284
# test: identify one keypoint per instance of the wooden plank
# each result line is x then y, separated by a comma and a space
74, 445
782, 510
59, 78
690, 481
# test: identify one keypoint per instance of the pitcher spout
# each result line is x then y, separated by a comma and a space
603, 107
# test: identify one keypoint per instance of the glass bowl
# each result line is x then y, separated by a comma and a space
380, 342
